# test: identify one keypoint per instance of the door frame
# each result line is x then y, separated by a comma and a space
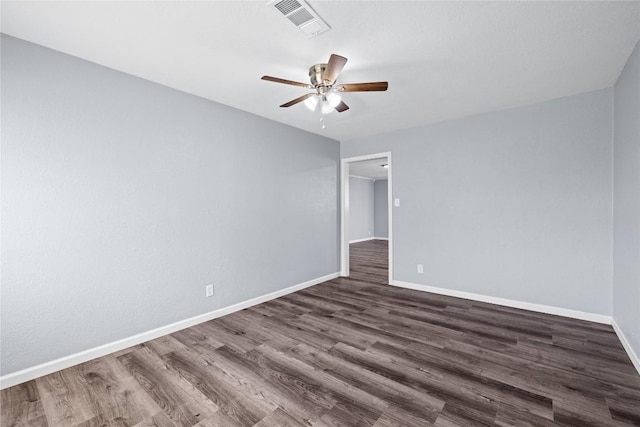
344, 209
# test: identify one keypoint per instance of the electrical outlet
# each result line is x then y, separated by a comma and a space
209, 291
420, 269
396, 202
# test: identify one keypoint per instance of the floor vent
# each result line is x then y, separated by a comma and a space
301, 15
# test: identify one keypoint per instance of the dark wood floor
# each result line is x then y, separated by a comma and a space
351, 352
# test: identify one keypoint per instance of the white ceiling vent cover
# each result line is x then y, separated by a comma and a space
301, 15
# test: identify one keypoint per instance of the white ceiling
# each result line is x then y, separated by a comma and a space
369, 169
442, 59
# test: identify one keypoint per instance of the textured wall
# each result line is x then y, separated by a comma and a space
513, 204
626, 202
122, 199
360, 208
380, 208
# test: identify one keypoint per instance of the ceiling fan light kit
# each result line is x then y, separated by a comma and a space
326, 106
311, 103
333, 99
323, 78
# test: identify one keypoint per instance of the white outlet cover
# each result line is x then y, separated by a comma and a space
420, 268
209, 291
396, 202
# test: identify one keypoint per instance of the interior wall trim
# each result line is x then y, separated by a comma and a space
541, 308
625, 343
559, 311
344, 208
362, 177
362, 240
46, 368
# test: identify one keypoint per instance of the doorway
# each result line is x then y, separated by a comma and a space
365, 167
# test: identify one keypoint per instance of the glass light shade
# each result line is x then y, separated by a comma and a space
311, 103
334, 99
326, 106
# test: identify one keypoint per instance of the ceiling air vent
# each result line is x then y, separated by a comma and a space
301, 15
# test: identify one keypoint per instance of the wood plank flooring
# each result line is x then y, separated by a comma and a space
350, 352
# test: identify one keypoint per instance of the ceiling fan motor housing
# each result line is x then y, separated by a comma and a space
318, 79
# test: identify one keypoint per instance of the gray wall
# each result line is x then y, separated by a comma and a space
121, 199
626, 202
513, 204
360, 208
380, 209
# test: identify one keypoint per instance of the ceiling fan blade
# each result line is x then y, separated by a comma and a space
363, 87
342, 107
298, 99
334, 66
287, 82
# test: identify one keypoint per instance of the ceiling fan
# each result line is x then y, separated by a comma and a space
327, 93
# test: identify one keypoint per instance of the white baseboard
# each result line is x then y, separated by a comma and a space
627, 346
559, 311
381, 238
575, 314
361, 240
34, 372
